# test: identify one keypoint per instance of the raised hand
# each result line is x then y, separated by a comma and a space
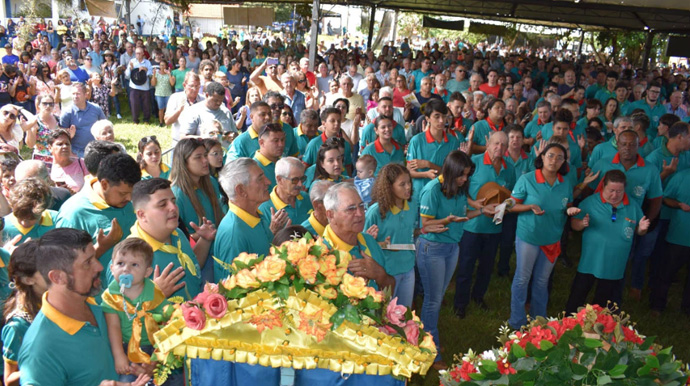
573, 211
589, 177
206, 231
670, 168
168, 281
373, 231
643, 226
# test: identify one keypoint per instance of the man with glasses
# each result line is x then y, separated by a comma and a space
651, 104
269, 82
293, 98
76, 73
271, 146
79, 118
346, 216
419, 74
276, 102
317, 221
460, 83
287, 193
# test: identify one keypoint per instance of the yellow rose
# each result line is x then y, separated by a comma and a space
376, 295
330, 270
297, 250
326, 292
308, 268
428, 343
247, 279
345, 259
230, 282
271, 269
354, 287
245, 258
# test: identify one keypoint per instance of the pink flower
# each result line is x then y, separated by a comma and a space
201, 297
216, 305
412, 332
388, 330
194, 317
396, 313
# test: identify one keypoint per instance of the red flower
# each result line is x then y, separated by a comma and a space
631, 336
537, 334
455, 374
504, 367
558, 327
570, 323
608, 322
467, 369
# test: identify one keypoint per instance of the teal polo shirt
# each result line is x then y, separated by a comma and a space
369, 135
434, 205
291, 148
165, 173
301, 139
245, 145
654, 113
646, 147
423, 146
418, 76
5, 290
604, 94
605, 243
13, 333
399, 225
532, 188
59, 350
523, 165
186, 209
534, 127
576, 130
268, 167
606, 150
239, 232
657, 158
658, 142
87, 211
13, 228
365, 245
297, 214
677, 189
161, 259
313, 225
483, 173
312, 152
311, 172
642, 181
383, 158
482, 130
592, 90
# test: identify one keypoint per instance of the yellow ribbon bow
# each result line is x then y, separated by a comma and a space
185, 261
134, 352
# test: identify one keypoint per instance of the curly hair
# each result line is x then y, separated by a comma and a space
29, 198
22, 265
383, 186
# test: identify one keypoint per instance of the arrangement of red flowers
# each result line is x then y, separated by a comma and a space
596, 345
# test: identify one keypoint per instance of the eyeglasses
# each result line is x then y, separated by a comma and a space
276, 106
285, 113
613, 213
297, 180
352, 209
12, 115
460, 70
301, 81
558, 158
48, 104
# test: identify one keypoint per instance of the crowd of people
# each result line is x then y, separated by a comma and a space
424, 164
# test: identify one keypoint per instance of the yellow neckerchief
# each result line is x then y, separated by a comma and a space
164, 168
97, 201
318, 228
278, 203
66, 323
396, 210
337, 243
45, 220
115, 301
185, 261
251, 220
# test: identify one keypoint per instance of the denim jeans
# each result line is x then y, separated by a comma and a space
436, 263
404, 288
530, 262
116, 104
475, 247
643, 247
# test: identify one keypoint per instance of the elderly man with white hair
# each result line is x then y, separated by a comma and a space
317, 221
244, 228
293, 97
345, 211
287, 193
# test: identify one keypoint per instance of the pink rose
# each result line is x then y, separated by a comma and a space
412, 332
388, 330
396, 313
194, 317
201, 297
216, 305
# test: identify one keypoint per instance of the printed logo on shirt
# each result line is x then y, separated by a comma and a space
638, 191
628, 232
564, 202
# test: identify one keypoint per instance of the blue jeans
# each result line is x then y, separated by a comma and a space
642, 249
436, 263
116, 104
475, 247
162, 102
531, 262
404, 288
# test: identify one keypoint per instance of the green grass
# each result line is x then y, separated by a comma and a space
479, 329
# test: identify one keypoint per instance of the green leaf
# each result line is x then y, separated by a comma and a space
593, 343
489, 366
603, 380
282, 290
579, 371
337, 318
237, 293
652, 361
518, 351
284, 280
298, 284
477, 376
644, 370
352, 315
647, 343
546, 345
618, 371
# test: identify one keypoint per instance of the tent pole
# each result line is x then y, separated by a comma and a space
371, 26
647, 50
314, 34
582, 41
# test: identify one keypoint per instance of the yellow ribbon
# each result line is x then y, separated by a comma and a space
115, 301
185, 261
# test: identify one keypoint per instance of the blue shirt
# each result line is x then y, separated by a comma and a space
149, 72
10, 59
364, 187
82, 120
297, 103
78, 74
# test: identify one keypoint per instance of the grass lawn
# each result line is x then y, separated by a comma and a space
480, 328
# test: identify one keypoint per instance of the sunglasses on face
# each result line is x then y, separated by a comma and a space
10, 114
48, 104
276, 107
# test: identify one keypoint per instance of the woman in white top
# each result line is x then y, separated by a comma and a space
64, 90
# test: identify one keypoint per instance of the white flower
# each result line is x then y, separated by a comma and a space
489, 355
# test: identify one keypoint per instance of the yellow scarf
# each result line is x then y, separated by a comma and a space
45, 220
134, 352
185, 261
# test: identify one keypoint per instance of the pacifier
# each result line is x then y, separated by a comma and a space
126, 280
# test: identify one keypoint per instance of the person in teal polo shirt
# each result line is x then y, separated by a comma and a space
444, 210
157, 224
541, 199
428, 149
576, 128
396, 219
149, 159
271, 146
247, 143
385, 110
329, 163
610, 222
317, 221
287, 194
103, 207
496, 111
29, 199
609, 148
562, 127
276, 103
600, 83
535, 126
677, 200
481, 236
417, 75
640, 125
385, 149
307, 129
609, 90
67, 343
330, 119
244, 228
652, 107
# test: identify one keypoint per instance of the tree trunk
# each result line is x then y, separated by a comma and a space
594, 48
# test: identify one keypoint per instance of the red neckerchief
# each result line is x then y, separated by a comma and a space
581, 102
644, 141
458, 123
493, 127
